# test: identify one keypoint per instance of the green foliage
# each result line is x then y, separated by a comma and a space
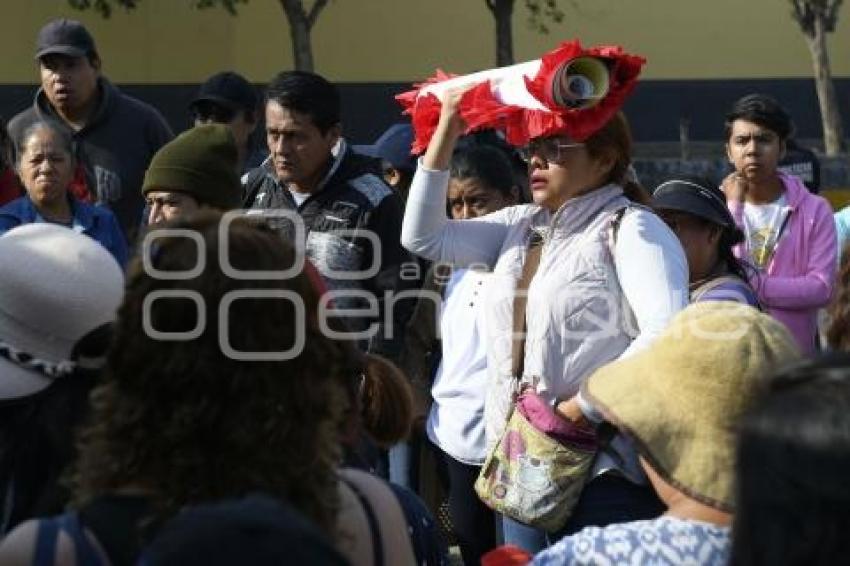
805, 12
542, 11
105, 7
229, 5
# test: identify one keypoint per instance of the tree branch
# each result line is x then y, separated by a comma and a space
102, 7
229, 5
294, 10
805, 12
804, 16
491, 6
831, 17
540, 10
317, 8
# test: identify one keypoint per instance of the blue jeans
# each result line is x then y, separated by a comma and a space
403, 460
527, 538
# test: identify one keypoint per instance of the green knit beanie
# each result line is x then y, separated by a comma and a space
201, 162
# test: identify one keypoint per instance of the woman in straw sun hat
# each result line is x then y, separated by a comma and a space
680, 401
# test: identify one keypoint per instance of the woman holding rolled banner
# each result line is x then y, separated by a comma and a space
611, 274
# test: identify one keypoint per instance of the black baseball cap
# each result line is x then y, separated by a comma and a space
64, 37
228, 89
694, 197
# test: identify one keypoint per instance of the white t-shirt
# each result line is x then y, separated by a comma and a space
764, 226
456, 420
299, 197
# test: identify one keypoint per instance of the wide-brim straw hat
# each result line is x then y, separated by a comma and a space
681, 398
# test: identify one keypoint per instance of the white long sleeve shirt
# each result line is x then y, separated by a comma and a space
591, 301
456, 420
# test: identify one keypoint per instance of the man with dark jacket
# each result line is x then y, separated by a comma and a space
802, 162
351, 219
115, 134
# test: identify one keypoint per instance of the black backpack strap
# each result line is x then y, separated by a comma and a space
374, 527
115, 523
45, 542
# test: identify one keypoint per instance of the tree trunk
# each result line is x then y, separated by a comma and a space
503, 13
299, 34
302, 49
833, 137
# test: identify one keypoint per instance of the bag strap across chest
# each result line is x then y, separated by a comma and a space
529, 268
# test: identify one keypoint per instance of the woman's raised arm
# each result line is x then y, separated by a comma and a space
426, 230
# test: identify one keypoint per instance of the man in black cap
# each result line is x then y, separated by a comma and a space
802, 162
116, 135
393, 149
228, 98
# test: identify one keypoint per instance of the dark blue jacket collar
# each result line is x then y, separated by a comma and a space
25, 212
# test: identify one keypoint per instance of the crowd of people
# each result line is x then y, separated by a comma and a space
333, 354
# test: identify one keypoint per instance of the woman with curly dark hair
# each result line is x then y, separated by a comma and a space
219, 383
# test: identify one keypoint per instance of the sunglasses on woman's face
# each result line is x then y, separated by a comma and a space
550, 150
215, 113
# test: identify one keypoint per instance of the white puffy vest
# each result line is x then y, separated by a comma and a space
577, 317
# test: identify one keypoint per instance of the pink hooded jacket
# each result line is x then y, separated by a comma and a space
801, 274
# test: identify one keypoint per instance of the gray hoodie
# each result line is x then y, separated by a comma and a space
114, 147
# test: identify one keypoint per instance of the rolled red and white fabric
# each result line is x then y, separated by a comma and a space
569, 91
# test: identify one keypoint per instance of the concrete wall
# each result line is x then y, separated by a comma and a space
702, 55
166, 41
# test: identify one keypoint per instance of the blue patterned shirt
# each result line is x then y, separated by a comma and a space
662, 541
